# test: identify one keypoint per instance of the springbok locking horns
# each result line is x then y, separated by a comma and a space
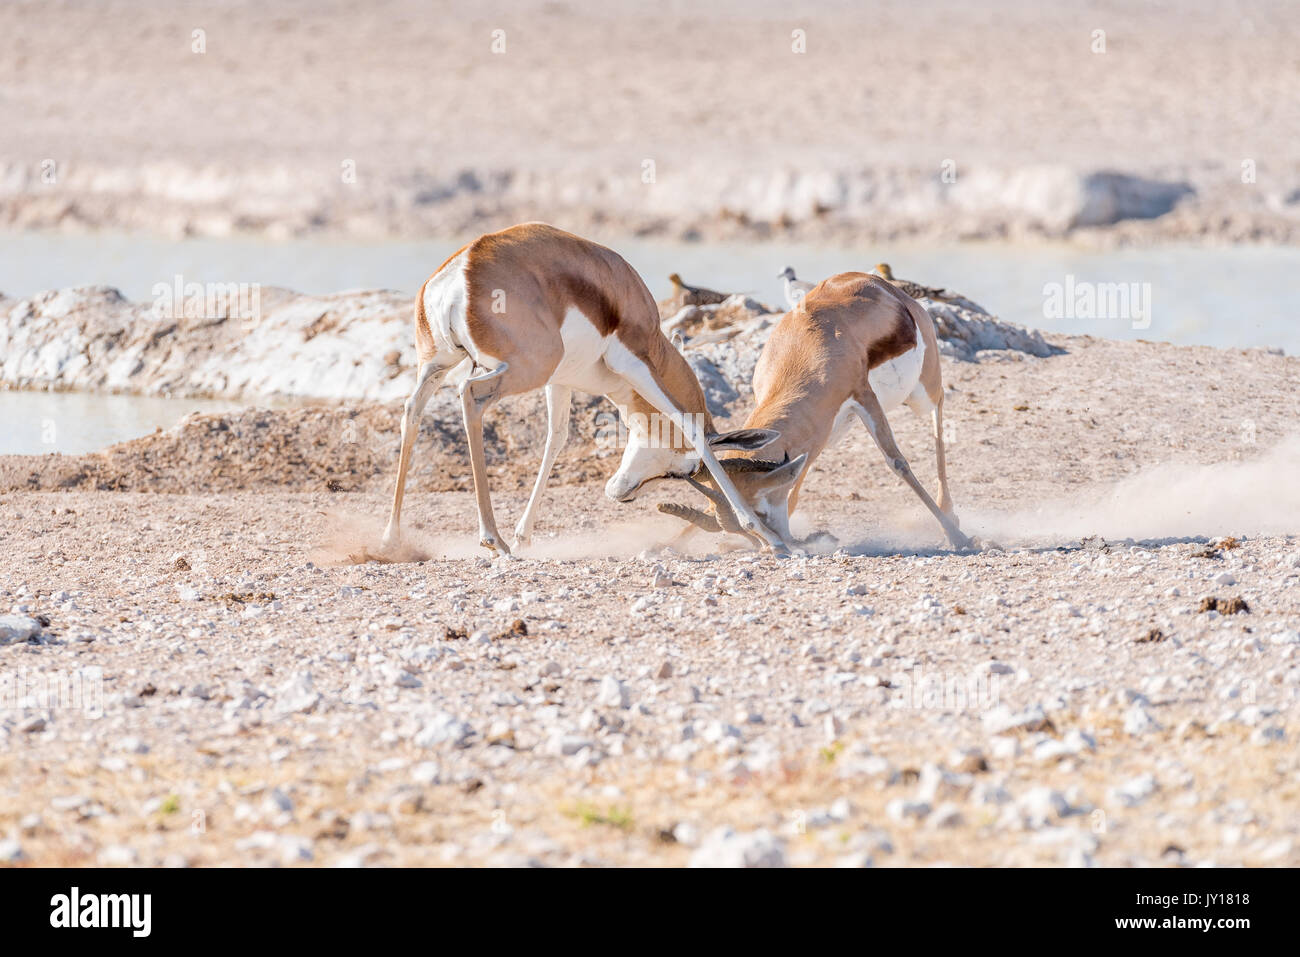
534, 307
853, 346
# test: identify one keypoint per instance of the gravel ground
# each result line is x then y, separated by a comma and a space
1064, 696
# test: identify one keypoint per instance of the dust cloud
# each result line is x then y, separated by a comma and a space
354, 539
1257, 496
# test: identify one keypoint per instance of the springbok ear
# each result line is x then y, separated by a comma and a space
743, 440
679, 341
785, 473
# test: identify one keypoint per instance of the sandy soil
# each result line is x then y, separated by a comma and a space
266, 700
442, 134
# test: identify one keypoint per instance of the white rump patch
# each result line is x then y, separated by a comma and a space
446, 302
893, 381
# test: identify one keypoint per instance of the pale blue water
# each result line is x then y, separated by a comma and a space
34, 423
1235, 296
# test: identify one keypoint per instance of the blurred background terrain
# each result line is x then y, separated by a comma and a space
936, 119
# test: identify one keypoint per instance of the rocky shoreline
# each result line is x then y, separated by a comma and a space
349, 358
1097, 207
347, 346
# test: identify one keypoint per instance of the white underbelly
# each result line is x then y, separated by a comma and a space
893, 381
583, 366
844, 420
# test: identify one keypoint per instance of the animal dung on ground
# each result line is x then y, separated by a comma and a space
1224, 606
246, 597
518, 629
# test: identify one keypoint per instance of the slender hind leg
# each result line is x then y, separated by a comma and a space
941, 462
557, 420
431, 375
921, 403
476, 394
873, 417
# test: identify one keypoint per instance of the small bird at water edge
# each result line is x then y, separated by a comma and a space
913, 289
795, 288
695, 295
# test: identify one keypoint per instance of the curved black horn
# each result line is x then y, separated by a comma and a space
693, 515
725, 516
743, 466
717, 498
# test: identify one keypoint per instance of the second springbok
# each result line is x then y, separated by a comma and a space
534, 307
853, 347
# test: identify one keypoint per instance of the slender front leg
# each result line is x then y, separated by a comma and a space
744, 514
941, 461
430, 377
638, 375
873, 417
476, 395
931, 409
557, 420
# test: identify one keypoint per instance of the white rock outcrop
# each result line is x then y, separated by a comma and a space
350, 345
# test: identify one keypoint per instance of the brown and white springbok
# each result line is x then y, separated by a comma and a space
854, 345
534, 307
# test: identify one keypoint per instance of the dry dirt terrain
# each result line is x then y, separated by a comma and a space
1111, 679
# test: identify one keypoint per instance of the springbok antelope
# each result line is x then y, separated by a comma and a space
534, 307
853, 346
